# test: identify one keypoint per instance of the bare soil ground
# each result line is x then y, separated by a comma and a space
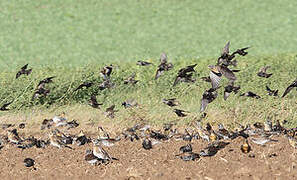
275, 160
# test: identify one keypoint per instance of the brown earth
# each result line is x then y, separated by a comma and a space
275, 160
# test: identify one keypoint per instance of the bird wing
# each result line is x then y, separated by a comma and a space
226, 49
24, 67
215, 80
289, 88
227, 73
204, 103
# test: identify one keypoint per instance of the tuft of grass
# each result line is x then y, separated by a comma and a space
149, 93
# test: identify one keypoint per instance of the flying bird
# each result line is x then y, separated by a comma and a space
251, 94
262, 72
106, 72
109, 112
185, 74
170, 102
93, 102
271, 92
216, 72
4, 106
45, 81
290, 87
207, 97
229, 89
163, 66
23, 70
84, 84
131, 80
180, 113
143, 63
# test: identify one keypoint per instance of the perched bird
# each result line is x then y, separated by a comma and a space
245, 147
189, 156
292, 141
23, 70
129, 103
186, 148
90, 157
271, 92
170, 102
164, 66
57, 141
131, 80
4, 106
106, 84
29, 162
84, 84
46, 124
147, 144
290, 87
143, 63
180, 113
213, 148
261, 140
100, 153
229, 89
222, 132
251, 94
93, 102
81, 139
185, 74
109, 112
40, 92
106, 72
207, 97
13, 136
72, 124
262, 72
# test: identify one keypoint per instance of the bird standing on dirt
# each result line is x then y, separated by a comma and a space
23, 70
109, 112
245, 147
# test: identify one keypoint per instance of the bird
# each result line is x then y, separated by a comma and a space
90, 157
131, 80
4, 106
109, 112
99, 152
129, 103
45, 81
262, 72
84, 84
229, 89
180, 113
147, 144
222, 132
261, 140
226, 58
170, 102
56, 141
206, 79
143, 63
186, 148
93, 102
13, 136
290, 87
22, 125
105, 84
271, 92
23, 70
207, 97
188, 156
216, 71
251, 94
163, 66
185, 74
292, 141
106, 72
81, 139
29, 162
40, 92
213, 148
245, 147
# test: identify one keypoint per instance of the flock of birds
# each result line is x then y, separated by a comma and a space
258, 133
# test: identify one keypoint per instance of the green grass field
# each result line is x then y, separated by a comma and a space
74, 40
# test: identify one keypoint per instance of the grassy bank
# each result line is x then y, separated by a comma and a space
149, 92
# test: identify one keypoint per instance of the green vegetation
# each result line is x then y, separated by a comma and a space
74, 40
149, 92
71, 34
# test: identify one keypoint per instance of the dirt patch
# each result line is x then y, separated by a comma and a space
275, 160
